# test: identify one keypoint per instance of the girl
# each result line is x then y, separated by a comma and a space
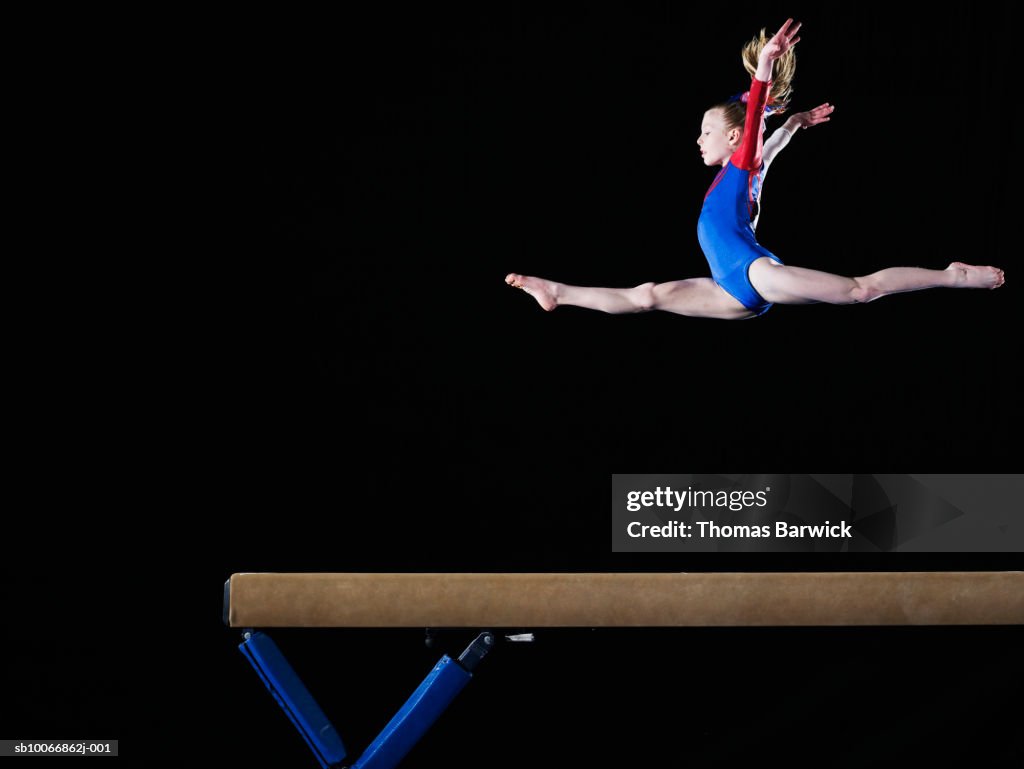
746, 278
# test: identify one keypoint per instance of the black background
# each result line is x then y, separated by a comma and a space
369, 395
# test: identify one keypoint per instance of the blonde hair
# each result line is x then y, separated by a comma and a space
783, 70
734, 112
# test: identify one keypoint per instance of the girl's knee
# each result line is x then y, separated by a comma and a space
644, 297
863, 291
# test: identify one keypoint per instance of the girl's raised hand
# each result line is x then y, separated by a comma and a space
811, 117
781, 41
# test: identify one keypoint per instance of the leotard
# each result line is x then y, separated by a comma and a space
725, 228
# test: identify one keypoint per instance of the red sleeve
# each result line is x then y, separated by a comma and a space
748, 156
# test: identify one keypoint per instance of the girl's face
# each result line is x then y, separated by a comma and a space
715, 142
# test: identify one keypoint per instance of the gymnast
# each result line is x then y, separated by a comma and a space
746, 278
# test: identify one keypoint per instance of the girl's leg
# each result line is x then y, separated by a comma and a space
796, 285
697, 297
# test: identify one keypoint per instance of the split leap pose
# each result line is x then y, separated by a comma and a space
746, 278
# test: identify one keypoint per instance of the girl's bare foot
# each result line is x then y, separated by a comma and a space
972, 276
544, 291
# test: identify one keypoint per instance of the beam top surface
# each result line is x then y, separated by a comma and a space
634, 599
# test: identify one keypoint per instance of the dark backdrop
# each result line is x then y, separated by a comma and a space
371, 396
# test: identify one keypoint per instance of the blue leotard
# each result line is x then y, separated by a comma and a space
724, 228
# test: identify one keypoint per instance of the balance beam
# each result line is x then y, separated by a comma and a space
367, 600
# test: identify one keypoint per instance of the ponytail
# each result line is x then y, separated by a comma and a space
783, 71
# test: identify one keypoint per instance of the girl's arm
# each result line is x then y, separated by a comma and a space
780, 138
748, 155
